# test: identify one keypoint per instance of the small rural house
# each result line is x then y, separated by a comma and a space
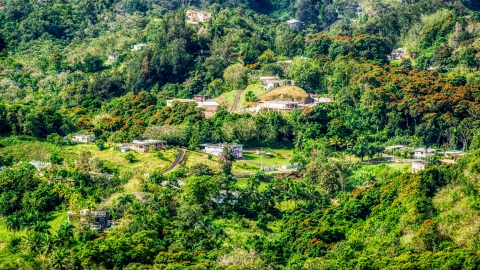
295, 24
113, 57
273, 82
217, 148
211, 107
171, 101
279, 105
201, 98
418, 165
145, 145
319, 100
138, 47
197, 16
423, 153
83, 138
97, 219
397, 54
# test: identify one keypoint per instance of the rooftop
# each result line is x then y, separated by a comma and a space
220, 145
293, 21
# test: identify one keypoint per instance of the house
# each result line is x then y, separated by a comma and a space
145, 145
113, 57
453, 154
418, 165
295, 24
185, 101
138, 47
397, 54
423, 153
211, 107
40, 165
316, 100
217, 148
98, 220
83, 138
279, 105
273, 82
197, 16
201, 98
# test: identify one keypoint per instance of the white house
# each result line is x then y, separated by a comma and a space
138, 47
197, 16
113, 57
423, 153
217, 148
418, 165
83, 138
295, 24
279, 105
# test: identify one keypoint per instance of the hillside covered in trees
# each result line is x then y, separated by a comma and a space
393, 72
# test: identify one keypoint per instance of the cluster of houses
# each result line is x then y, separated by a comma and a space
422, 154
205, 102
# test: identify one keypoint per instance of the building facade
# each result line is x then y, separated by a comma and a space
217, 149
83, 138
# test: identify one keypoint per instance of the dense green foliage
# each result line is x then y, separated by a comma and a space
56, 79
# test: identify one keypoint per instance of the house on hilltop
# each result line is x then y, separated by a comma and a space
195, 16
210, 107
423, 153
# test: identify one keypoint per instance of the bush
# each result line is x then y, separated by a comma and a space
56, 139
200, 169
100, 144
130, 157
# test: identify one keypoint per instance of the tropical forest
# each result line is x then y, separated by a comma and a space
239, 134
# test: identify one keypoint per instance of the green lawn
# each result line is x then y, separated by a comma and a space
278, 158
229, 98
256, 89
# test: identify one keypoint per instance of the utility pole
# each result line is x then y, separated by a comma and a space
261, 159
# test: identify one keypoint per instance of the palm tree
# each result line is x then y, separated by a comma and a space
60, 259
13, 224
335, 141
65, 233
42, 227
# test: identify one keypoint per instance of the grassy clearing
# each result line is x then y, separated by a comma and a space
56, 220
256, 89
238, 231
278, 158
30, 149
285, 92
227, 99
239, 167
146, 162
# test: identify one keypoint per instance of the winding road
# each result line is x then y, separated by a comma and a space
178, 159
237, 100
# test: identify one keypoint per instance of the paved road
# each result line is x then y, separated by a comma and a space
179, 158
237, 100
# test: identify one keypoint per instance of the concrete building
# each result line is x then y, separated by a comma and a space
295, 24
113, 57
418, 165
195, 16
273, 82
423, 153
210, 107
143, 145
217, 148
138, 47
201, 98
39, 165
83, 138
279, 105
